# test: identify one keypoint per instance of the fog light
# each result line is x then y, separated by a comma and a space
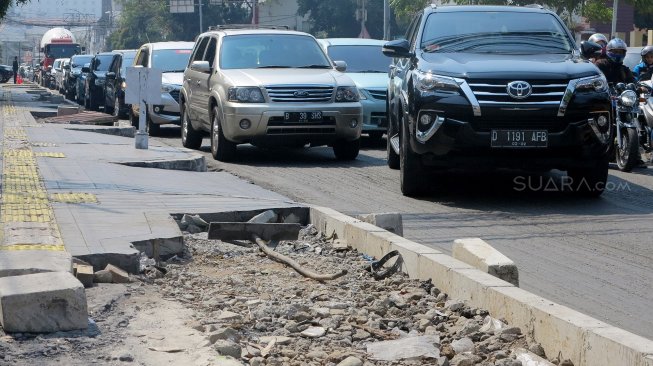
157, 109
245, 124
602, 121
425, 119
353, 123
437, 122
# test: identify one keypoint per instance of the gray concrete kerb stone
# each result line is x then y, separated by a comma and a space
481, 255
22, 262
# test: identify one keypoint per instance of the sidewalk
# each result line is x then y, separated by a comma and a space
67, 189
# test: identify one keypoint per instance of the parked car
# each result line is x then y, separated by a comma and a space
95, 80
495, 87
114, 88
54, 70
368, 67
61, 74
6, 73
267, 87
171, 58
74, 77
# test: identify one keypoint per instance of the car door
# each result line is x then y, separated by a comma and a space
204, 82
112, 84
404, 66
192, 78
142, 59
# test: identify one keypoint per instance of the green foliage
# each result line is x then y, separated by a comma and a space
5, 4
337, 18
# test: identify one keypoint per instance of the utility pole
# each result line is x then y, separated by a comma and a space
200, 8
615, 5
386, 20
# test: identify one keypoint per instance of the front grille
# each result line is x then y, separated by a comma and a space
494, 92
175, 95
378, 94
300, 93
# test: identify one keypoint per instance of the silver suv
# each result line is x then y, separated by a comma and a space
267, 87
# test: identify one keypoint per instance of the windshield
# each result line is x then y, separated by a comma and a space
272, 51
360, 58
170, 60
61, 50
102, 62
127, 61
632, 59
495, 32
79, 61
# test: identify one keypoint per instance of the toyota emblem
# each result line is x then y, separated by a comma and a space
519, 89
300, 94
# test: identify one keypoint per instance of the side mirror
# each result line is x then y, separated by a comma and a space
397, 48
588, 49
340, 65
111, 75
201, 66
66, 67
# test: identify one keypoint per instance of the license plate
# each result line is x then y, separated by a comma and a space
302, 117
519, 138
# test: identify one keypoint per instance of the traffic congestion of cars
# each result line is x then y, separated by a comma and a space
511, 90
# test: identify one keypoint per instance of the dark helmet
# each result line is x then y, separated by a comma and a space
613, 45
598, 37
647, 51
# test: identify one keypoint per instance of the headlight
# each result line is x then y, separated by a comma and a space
426, 81
245, 95
596, 83
124, 85
167, 88
628, 98
347, 94
361, 94
99, 82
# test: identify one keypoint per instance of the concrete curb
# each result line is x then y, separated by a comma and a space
107, 130
583, 339
194, 163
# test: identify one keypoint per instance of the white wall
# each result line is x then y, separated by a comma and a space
282, 12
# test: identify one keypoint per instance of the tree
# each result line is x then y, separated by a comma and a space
337, 18
5, 4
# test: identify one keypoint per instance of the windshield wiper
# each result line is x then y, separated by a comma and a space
273, 67
174, 71
314, 67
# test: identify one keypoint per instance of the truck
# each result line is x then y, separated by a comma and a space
57, 43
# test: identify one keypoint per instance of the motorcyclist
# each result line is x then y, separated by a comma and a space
612, 65
602, 41
644, 69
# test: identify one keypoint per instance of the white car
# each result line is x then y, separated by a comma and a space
171, 58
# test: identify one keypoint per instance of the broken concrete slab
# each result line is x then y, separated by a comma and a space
42, 303
476, 252
404, 348
22, 262
390, 221
66, 110
117, 274
245, 230
84, 274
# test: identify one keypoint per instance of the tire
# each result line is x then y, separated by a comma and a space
391, 156
410, 166
626, 158
347, 150
221, 148
590, 181
133, 119
190, 137
152, 128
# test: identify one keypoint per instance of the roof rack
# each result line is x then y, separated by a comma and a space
247, 26
538, 6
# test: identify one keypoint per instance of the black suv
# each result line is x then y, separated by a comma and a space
96, 78
498, 87
114, 87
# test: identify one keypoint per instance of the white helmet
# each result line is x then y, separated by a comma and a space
598, 37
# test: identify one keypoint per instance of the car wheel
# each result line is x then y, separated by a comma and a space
221, 148
410, 166
589, 181
391, 155
133, 119
347, 150
153, 129
190, 137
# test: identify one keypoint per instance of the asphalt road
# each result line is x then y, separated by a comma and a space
593, 255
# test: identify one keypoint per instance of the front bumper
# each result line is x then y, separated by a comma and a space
464, 138
268, 126
167, 112
374, 115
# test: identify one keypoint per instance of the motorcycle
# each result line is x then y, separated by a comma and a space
626, 127
645, 117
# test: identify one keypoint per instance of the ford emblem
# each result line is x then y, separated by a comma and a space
300, 94
519, 89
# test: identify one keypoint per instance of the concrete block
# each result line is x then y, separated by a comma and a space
356, 232
411, 253
66, 110
376, 244
388, 221
477, 253
330, 221
84, 274
246, 230
22, 262
614, 346
117, 274
42, 303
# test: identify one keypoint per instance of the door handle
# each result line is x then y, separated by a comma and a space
199, 83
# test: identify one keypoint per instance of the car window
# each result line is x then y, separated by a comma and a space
198, 53
495, 32
209, 55
171, 60
142, 58
632, 59
271, 50
79, 61
102, 62
360, 58
127, 61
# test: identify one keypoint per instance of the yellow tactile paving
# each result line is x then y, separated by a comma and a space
74, 198
24, 199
